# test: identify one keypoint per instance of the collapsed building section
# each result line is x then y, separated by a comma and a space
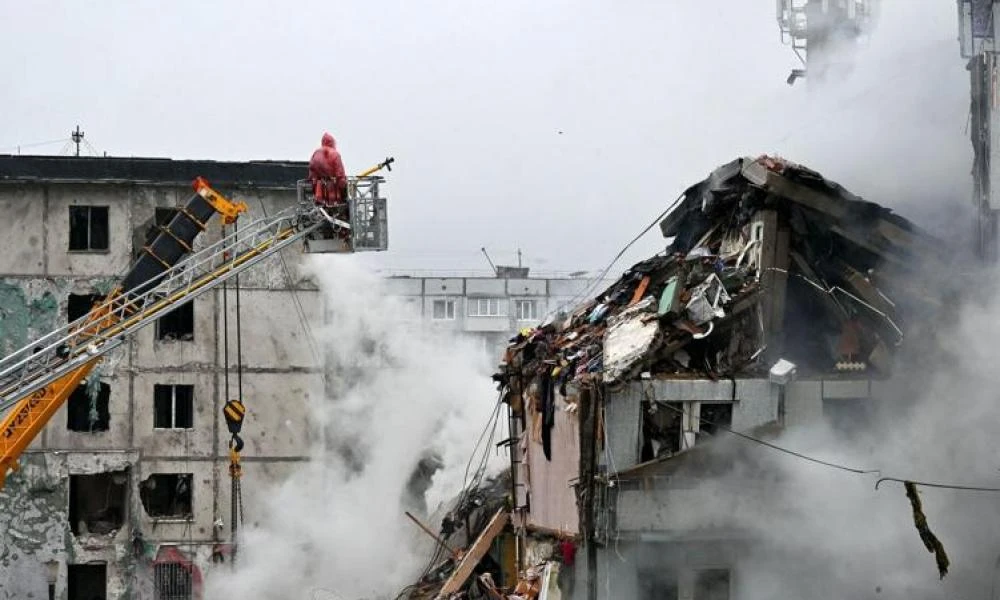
767, 259
476, 553
781, 297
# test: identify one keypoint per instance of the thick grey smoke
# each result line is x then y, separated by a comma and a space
895, 132
398, 393
819, 532
895, 129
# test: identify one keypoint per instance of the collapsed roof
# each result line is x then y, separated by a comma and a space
767, 259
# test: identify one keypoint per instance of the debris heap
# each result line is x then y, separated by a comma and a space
764, 254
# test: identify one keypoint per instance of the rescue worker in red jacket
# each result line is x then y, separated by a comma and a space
326, 171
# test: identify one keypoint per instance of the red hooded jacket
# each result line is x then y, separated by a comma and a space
326, 167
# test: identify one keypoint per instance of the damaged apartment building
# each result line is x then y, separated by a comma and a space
781, 301
126, 493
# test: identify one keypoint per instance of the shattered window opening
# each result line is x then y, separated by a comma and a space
487, 307
178, 324
712, 584
87, 581
661, 429
88, 407
715, 416
78, 305
88, 228
173, 406
167, 495
97, 502
443, 310
526, 310
173, 581
661, 584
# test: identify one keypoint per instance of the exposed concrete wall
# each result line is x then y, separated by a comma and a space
623, 567
278, 408
24, 234
284, 342
37, 272
195, 442
36, 542
150, 353
112, 262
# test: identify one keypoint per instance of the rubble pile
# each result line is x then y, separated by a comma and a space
466, 521
747, 241
467, 564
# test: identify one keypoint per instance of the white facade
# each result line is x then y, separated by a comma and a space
489, 309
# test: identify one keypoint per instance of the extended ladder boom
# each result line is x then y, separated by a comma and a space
38, 378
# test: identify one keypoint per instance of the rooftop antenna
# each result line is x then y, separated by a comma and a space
492, 266
519, 258
77, 138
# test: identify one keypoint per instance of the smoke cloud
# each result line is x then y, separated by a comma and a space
809, 531
893, 131
398, 392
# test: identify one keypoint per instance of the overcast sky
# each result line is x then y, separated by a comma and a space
560, 127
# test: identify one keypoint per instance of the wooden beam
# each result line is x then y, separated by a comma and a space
474, 554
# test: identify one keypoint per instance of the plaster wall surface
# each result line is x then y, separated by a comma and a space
37, 274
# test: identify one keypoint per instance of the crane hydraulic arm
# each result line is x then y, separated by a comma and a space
37, 379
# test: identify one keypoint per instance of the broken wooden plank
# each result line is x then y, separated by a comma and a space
474, 554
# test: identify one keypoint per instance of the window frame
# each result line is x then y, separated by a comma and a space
521, 302
500, 303
173, 406
90, 227
449, 307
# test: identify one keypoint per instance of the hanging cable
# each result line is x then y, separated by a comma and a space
597, 280
19, 147
239, 328
233, 410
832, 465
313, 347
237, 442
